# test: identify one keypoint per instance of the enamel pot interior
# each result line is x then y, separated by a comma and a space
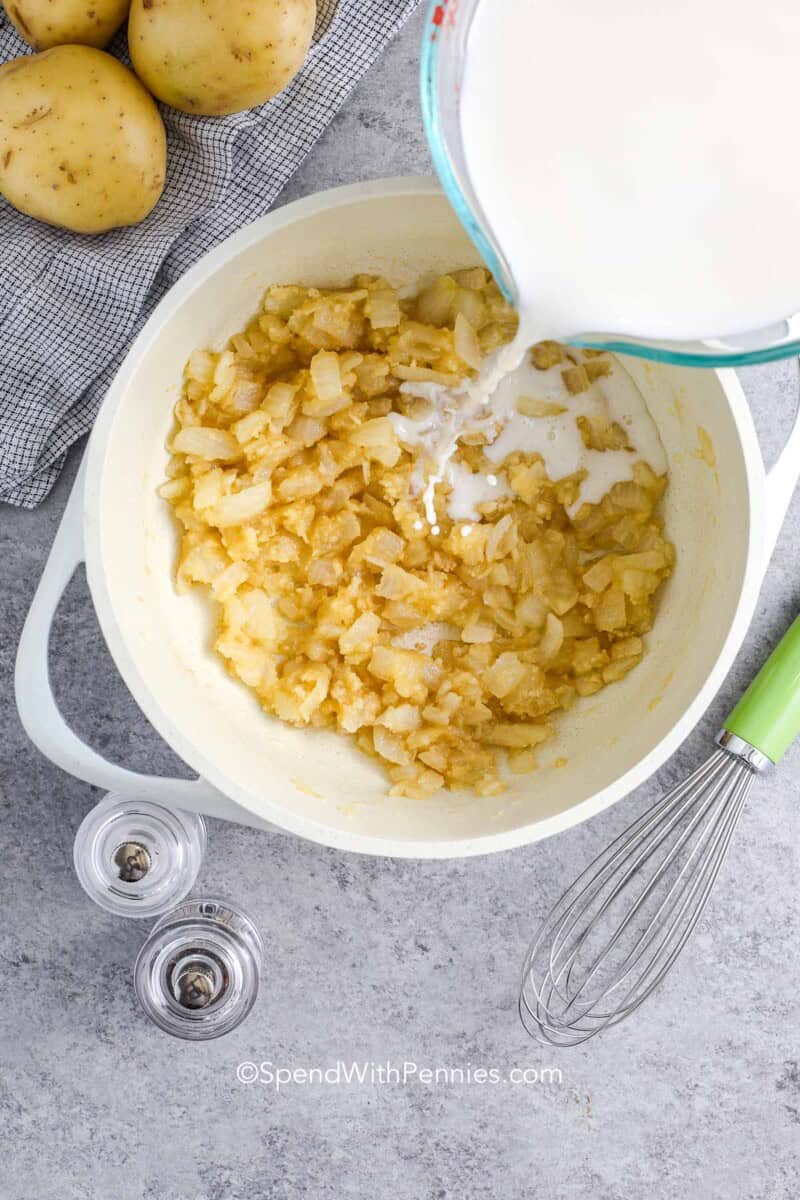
314, 783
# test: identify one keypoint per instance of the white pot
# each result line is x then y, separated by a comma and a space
723, 519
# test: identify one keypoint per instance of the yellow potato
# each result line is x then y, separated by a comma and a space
82, 145
221, 56
46, 23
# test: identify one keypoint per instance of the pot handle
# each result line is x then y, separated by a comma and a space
781, 482
42, 718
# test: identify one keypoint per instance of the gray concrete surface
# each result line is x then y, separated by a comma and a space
368, 960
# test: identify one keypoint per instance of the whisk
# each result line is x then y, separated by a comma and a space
614, 934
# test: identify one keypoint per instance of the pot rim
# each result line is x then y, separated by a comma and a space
285, 818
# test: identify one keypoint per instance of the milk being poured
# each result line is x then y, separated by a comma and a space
494, 405
636, 161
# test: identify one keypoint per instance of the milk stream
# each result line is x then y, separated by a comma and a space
488, 405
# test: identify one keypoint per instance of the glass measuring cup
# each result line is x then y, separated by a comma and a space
442, 67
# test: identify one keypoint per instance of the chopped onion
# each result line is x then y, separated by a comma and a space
466, 343
325, 375
382, 309
206, 443
241, 506
552, 637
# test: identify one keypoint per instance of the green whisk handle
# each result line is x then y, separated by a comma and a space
768, 714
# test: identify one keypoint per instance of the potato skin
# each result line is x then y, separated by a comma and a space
82, 145
211, 57
46, 23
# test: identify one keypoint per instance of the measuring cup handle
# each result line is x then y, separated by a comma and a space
41, 717
780, 485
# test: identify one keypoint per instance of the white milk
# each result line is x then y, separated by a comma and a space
488, 405
637, 161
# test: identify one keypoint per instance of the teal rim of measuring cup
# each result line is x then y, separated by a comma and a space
612, 343
438, 147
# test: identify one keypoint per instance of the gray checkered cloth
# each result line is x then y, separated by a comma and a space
70, 305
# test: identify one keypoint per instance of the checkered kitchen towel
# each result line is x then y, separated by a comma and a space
70, 305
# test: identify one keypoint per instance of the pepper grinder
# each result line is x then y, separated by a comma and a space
136, 858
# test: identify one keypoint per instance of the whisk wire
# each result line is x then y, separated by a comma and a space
647, 852
677, 926
600, 871
597, 872
676, 890
682, 840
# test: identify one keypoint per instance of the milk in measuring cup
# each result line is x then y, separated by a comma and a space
636, 161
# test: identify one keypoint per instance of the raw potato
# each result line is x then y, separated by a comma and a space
82, 145
218, 56
46, 23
